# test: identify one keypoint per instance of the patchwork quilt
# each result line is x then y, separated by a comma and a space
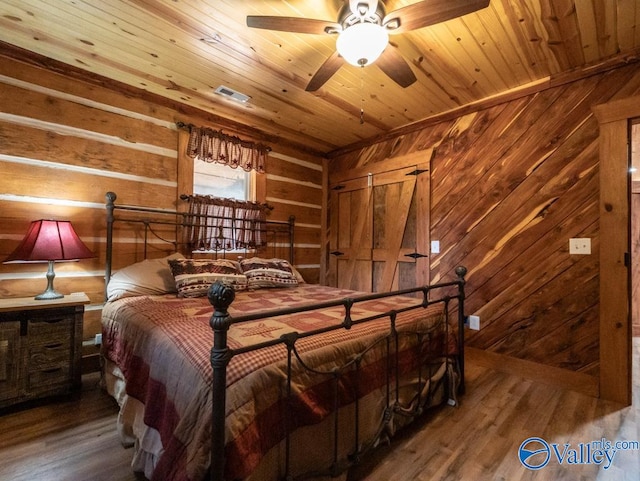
162, 346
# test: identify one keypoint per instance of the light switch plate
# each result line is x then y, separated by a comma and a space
435, 247
580, 246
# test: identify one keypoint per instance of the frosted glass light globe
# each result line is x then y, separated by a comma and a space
361, 44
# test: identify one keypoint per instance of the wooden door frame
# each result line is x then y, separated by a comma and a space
615, 221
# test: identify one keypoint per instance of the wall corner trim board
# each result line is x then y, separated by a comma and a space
615, 300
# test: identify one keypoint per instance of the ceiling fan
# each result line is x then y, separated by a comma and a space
363, 28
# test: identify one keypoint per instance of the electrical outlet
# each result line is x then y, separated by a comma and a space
97, 340
581, 246
435, 247
474, 323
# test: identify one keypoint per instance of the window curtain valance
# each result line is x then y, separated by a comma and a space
217, 224
214, 146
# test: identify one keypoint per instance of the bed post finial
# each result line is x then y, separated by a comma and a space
461, 271
110, 198
220, 295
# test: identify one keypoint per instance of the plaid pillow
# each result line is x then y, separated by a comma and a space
194, 276
268, 273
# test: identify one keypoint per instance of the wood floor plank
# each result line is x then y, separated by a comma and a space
479, 439
76, 440
68, 440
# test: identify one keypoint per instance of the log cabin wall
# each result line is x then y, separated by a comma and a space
510, 185
64, 143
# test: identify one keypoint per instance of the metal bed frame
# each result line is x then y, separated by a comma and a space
221, 296
273, 229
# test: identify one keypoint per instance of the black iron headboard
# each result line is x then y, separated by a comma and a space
276, 233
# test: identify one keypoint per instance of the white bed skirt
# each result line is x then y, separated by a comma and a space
148, 446
130, 424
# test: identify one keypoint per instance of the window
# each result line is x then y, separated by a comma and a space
219, 180
239, 232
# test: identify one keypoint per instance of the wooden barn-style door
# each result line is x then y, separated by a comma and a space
379, 230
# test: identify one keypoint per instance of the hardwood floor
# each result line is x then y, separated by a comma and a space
73, 440
478, 440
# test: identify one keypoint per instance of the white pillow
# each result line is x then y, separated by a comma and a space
146, 278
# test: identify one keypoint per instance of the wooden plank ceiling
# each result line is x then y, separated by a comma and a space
183, 50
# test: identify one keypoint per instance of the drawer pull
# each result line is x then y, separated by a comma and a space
53, 346
50, 370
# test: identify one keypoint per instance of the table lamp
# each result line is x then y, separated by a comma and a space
50, 241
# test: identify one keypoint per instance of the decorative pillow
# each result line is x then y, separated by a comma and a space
299, 277
268, 272
194, 276
146, 278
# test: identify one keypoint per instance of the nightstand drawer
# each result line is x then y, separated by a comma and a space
42, 330
40, 348
51, 353
47, 378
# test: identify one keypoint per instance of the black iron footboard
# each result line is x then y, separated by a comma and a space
221, 297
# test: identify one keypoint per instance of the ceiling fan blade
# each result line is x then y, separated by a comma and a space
429, 12
396, 67
325, 72
293, 24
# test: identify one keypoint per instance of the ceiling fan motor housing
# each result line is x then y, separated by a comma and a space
361, 14
363, 38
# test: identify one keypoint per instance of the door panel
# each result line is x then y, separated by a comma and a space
376, 222
350, 244
393, 193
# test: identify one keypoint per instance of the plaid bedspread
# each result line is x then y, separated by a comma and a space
162, 345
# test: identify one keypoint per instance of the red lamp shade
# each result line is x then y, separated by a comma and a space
49, 241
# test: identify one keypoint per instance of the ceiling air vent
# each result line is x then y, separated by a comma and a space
227, 92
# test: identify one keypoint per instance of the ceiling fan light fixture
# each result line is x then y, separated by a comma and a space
361, 44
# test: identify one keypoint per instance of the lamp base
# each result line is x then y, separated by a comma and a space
48, 295
50, 292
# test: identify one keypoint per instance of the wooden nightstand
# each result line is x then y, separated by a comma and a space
40, 347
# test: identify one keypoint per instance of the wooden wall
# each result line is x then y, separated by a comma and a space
635, 225
510, 185
635, 254
64, 143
